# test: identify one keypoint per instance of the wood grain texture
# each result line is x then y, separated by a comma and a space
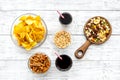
59, 5
106, 51
101, 62
51, 19
102, 70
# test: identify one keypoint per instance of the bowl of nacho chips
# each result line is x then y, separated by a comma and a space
29, 31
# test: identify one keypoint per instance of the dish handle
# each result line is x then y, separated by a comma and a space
80, 52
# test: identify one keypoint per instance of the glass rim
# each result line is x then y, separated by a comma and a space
68, 68
69, 15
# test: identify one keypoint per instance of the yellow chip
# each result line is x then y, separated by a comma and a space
23, 18
29, 21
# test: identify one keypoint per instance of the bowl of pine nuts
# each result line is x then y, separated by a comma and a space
39, 63
62, 39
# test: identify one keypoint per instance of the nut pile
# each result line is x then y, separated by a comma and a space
39, 63
97, 29
62, 39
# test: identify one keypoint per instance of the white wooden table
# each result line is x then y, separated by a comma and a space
100, 62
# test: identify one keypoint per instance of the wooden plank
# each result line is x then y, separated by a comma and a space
100, 62
84, 70
107, 51
52, 22
60, 5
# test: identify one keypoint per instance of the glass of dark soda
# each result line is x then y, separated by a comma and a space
67, 18
65, 64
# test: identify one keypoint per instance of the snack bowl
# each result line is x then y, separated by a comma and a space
62, 39
97, 31
17, 21
39, 64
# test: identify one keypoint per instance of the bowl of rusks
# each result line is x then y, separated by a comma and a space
39, 63
29, 31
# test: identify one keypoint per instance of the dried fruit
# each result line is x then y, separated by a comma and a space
97, 29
